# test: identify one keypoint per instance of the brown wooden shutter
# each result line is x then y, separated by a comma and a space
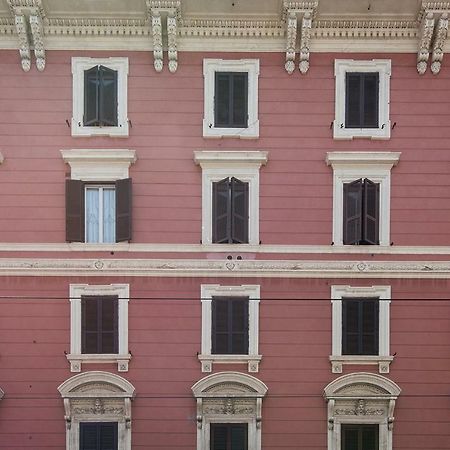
91, 96
239, 211
74, 211
222, 100
352, 225
229, 436
221, 210
239, 325
220, 326
108, 325
369, 327
123, 210
90, 318
107, 97
108, 436
98, 436
240, 100
353, 98
371, 212
370, 100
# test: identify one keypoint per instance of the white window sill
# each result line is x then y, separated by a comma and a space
105, 358
208, 360
251, 132
79, 130
363, 133
338, 361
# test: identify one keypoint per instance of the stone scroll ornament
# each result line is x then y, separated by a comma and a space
439, 42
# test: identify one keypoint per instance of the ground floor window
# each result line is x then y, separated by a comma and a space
229, 436
98, 436
359, 437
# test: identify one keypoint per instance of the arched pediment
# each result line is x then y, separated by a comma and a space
229, 384
96, 384
361, 385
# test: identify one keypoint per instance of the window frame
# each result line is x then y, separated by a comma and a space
206, 357
79, 66
383, 359
76, 357
341, 68
351, 166
210, 67
243, 165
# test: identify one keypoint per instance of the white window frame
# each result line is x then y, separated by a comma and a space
217, 402
100, 188
79, 66
210, 67
341, 68
97, 397
252, 359
383, 359
76, 358
351, 166
360, 399
243, 165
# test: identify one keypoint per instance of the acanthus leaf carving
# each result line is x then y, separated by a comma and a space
290, 46
172, 40
305, 42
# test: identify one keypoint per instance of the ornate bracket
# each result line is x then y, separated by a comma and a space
28, 18
164, 13
438, 46
426, 34
292, 12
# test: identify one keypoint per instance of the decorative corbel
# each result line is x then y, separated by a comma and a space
290, 46
172, 42
305, 42
37, 31
157, 41
24, 43
199, 413
439, 42
331, 414
67, 416
391, 414
426, 34
127, 408
258, 412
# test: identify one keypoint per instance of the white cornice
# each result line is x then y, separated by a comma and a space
337, 159
225, 268
212, 158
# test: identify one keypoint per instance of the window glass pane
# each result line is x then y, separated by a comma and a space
222, 100
109, 215
371, 100
108, 97
353, 101
92, 214
240, 99
91, 92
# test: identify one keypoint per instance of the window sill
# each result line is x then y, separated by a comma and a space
338, 361
106, 358
251, 132
82, 131
208, 360
367, 133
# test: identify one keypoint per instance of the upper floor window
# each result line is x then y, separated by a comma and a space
231, 98
362, 99
99, 96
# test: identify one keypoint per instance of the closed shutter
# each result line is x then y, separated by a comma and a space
98, 436
370, 100
359, 437
222, 100
353, 100
107, 97
369, 326
221, 208
123, 210
239, 211
240, 100
229, 436
108, 436
371, 212
352, 212
91, 96
74, 211
239, 326
350, 327
220, 326
219, 434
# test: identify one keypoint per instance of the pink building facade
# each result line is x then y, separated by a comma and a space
224, 227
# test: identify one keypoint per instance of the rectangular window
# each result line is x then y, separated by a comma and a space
99, 325
360, 325
229, 436
230, 324
361, 100
359, 437
98, 436
100, 97
98, 214
230, 211
231, 100
361, 212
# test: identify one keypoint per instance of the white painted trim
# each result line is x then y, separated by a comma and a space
105, 397
384, 294
243, 165
79, 65
350, 166
210, 67
208, 291
383, 67
76, 358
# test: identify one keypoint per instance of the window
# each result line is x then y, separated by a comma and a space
230, 325
99, 325
231, 98
361, 412
230, 196
230, 211
359, 437
360, 326
97, 411
100, 96
361, 197
229, 411
229, 436
362, 99
98, 212
98, 436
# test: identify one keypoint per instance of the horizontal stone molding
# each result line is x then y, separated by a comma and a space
224, 268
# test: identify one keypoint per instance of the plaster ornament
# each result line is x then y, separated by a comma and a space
290, 46
157, 41
305, 42
172, 40
439, 42
426, 34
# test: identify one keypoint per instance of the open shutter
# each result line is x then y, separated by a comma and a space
352, 212
91, 97
370, 100
239, 211
107, 97
240, 100
123, 210
371, 212
239, 321
353, 96
74, 211
221, 211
